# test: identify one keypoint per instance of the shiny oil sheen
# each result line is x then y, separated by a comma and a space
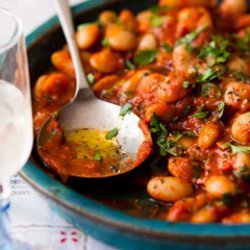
91, 144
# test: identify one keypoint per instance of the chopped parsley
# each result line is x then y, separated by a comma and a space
210, 89
221, 108
186, 110
167, 147
241, 77
91, 78
201, 115
105, 42
239, 149
244, 174
208, 76
190, 37
157, 21
244, 43
196, 69
206, 89
243, 170
216, 50
160, 131
167, 48
155, 126
145, 57
227, 199
217, 53
126, 109
177, 137
212, 73
97, 156
175, 119
111, 134
197, 172
129, 64
186, 85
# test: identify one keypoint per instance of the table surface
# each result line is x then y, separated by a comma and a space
30, 225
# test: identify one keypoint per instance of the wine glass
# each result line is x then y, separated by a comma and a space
16, 131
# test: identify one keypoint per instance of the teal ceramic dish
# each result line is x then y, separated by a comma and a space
110, 225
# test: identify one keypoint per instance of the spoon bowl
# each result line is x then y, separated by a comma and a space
86, 111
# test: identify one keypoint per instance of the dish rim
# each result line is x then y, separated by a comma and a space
95, 211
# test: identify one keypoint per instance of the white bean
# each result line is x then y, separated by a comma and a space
240, 129
219, 185
148, 42
87, 36
169, 189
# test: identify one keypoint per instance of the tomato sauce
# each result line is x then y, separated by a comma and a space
183, 68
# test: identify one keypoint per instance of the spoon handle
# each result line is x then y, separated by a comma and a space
64, 14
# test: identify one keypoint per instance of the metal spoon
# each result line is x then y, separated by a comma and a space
87, 111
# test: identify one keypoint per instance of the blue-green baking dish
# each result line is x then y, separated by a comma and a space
102, 222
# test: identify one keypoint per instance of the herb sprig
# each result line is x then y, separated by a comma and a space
202, 114
111, 134
241, 77
167, 146
126, 109
243, 44
146, 57
216, 51
237, 148
97, 156
190, 37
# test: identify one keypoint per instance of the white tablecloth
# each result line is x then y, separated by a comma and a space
34, 225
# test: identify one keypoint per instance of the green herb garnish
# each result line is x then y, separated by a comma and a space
244, 43
190, 37
159, 129
129, 64
186, 85
244, 169
227, 199
111, 134
157, 21
208, 76
212, 73
241, 77
239, 149
145, 57
216, 50
167, 48
97, 156
186, 110
201, 115
196, 69
91, 78
209, 89
105, 42
221, 108
126, 109
155, 125
175, 119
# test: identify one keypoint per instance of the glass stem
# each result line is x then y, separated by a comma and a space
5, 225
